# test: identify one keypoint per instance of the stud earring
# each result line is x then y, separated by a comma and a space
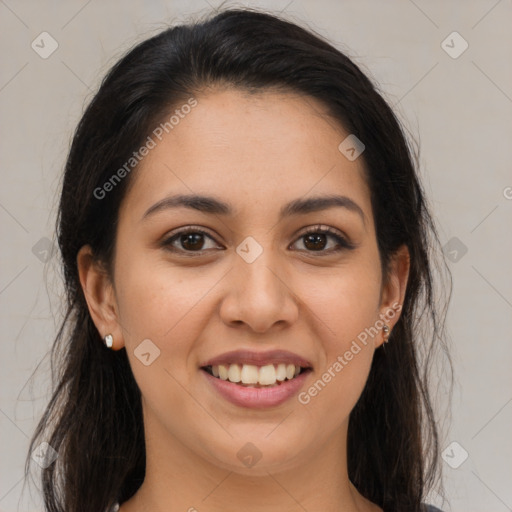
385, 333
108, 340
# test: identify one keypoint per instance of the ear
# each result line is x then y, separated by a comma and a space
100, 296
394, 287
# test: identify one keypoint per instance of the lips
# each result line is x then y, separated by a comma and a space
257, 397
250, 357
249, 378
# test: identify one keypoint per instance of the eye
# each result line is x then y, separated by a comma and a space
191, 239
316, 238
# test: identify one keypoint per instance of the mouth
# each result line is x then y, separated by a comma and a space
254, 386
254, 376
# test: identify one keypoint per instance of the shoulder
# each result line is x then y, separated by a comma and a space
430, 508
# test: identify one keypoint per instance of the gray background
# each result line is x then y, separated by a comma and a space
459, 108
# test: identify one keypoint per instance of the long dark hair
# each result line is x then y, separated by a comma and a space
94, 418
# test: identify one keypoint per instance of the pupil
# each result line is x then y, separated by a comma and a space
192, 241
316, 238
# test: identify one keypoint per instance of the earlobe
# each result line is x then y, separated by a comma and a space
99, 294
393, 293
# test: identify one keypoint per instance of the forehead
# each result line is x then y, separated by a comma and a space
259, 150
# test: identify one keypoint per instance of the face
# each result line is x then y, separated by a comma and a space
251, 273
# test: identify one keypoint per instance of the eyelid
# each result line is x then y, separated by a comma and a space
186, 229
324, 228
183, 230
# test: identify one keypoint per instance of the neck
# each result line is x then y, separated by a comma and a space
178, 480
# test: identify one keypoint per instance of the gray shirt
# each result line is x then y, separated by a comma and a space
428, 508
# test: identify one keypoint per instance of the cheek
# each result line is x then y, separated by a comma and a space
331, 396
345, 306
167, 306
344, 301
159, 301
347, 313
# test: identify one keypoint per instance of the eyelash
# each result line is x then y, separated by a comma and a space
342, 242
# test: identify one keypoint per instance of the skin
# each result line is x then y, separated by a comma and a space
256, 152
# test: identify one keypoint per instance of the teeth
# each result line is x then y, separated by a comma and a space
267, 374
234, 374
281, 372
223, 372
250, 374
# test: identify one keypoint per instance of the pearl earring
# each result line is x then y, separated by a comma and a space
385, 333
108, 340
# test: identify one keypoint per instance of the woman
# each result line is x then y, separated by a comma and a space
246, 247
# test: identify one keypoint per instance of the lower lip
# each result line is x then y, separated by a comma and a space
257, 398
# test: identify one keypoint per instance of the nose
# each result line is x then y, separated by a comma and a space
259, 295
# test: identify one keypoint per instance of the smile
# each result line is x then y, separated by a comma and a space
254, 394
255, 376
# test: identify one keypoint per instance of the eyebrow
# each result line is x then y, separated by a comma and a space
208, 204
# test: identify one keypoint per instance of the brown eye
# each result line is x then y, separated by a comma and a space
317, 239
192, 241
188, 240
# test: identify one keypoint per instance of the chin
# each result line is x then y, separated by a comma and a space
254, 455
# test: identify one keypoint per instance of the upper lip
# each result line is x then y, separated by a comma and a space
258, 358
